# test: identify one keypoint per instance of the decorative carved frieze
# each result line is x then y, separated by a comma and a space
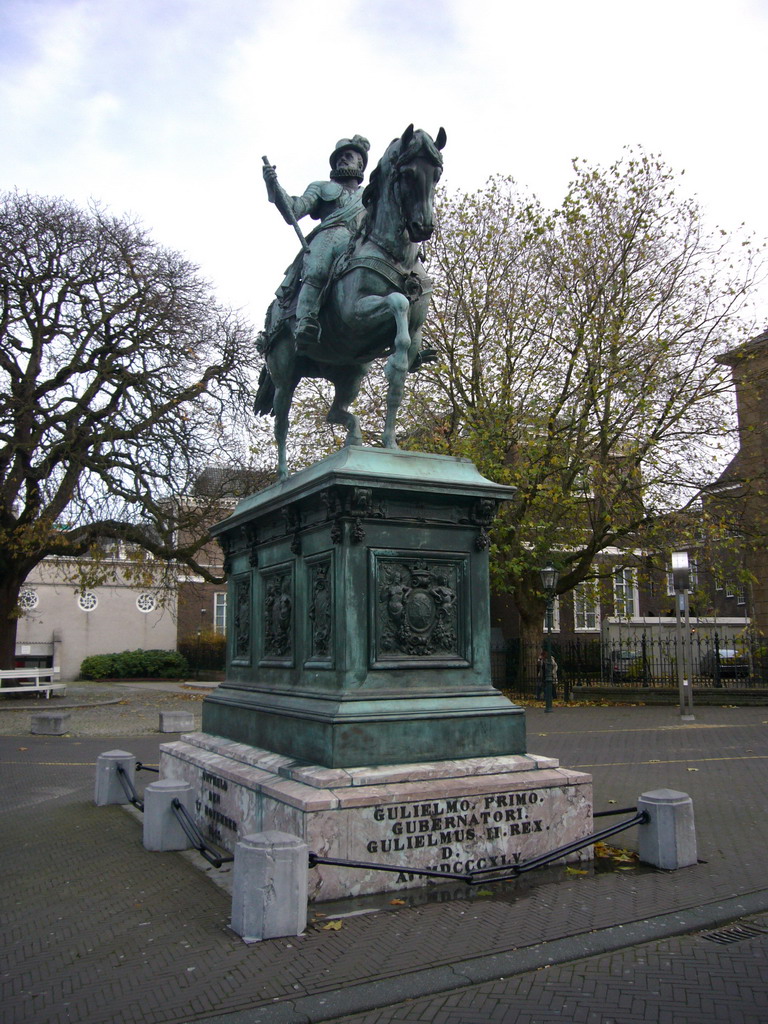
356, 503
290, 514
251, 538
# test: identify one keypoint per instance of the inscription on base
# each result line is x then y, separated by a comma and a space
462, 834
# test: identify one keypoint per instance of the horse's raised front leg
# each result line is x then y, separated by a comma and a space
347, 383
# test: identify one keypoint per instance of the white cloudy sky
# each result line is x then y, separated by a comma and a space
163, 108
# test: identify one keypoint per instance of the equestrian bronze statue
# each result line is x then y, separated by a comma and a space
357, 291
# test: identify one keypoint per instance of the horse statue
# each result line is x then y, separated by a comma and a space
375, 303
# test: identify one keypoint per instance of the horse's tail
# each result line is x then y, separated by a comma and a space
263, 404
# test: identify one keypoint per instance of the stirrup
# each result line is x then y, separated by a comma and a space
307, 335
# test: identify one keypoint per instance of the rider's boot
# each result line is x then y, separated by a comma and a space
307, 336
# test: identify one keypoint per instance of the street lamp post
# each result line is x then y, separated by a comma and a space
681, 580
549, 578
200, 641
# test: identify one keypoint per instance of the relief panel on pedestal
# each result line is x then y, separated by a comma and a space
419, 609
241, 619
320, 611
277, 615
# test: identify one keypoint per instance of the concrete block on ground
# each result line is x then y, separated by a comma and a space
162, 830
109, 789
269, 893
668, 840
50, 723
176, 721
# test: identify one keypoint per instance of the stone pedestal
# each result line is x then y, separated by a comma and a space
358, 713
451, 816
359, 625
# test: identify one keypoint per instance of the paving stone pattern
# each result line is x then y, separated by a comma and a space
98, 930
687, 980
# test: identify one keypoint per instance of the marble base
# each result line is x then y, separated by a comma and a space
451, 816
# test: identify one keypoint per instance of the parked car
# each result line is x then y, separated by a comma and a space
623, 665
733, 664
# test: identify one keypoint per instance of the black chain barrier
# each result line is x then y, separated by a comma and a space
481, 876
196, 837
128, 787
477, 877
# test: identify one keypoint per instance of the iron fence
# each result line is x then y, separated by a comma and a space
635, 661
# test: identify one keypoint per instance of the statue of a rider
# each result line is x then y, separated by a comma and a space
337, 204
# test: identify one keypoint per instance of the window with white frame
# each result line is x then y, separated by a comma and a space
28, 599
552, 616
586, 607
220, 612
146, 602
87, 601
624, 594
741, 594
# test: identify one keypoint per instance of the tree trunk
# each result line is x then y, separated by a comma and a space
531, 640
10, 585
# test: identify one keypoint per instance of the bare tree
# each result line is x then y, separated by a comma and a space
120, 379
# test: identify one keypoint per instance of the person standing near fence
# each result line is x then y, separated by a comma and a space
541, 675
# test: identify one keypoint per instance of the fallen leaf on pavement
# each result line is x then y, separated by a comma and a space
332, 926
614, 853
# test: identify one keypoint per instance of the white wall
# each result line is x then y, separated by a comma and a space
115, 624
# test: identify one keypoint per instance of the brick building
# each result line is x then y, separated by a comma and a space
742, 490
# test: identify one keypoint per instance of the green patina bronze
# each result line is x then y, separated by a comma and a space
359, 615
357, 291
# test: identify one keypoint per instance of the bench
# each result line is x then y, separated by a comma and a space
30, 680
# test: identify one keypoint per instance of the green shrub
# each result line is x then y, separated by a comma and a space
131, 664
135, 665
99, 666
165, 664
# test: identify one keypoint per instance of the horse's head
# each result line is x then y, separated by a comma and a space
409, 171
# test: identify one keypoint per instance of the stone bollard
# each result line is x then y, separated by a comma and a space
162, 830
50, 723
269, 892
668, 840
109, 789
177, 721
